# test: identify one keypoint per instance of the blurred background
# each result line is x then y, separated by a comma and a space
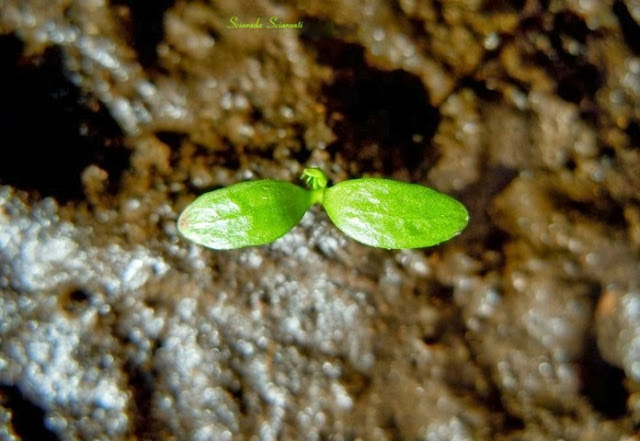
117, 114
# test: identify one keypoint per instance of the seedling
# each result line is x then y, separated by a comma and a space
380, 213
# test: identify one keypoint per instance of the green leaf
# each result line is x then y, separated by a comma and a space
394, 215
315, 178
244, 214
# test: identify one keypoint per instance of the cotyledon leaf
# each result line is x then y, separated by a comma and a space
393, 215
244, 214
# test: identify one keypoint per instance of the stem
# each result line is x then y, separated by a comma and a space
317, 196
316, 181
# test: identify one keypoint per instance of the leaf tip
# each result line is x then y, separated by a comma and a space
183, 221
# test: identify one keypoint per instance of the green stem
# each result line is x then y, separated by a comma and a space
317, 196
316, 181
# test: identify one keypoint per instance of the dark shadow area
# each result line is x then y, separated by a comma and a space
141, 385
52, 131
633, 131
503, 5
383, 119
602, 383
630, 28
604, 209
144, 26
28, 419
578, 80
481, 234
74, 299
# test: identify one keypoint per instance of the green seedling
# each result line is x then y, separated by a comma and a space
380, 213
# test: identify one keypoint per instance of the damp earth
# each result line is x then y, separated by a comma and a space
117, 114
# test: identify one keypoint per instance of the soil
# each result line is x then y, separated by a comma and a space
117, 114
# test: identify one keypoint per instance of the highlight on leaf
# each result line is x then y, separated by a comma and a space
392, 214
244, 214
377, 212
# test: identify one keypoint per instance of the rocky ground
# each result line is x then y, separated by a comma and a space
115, 115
